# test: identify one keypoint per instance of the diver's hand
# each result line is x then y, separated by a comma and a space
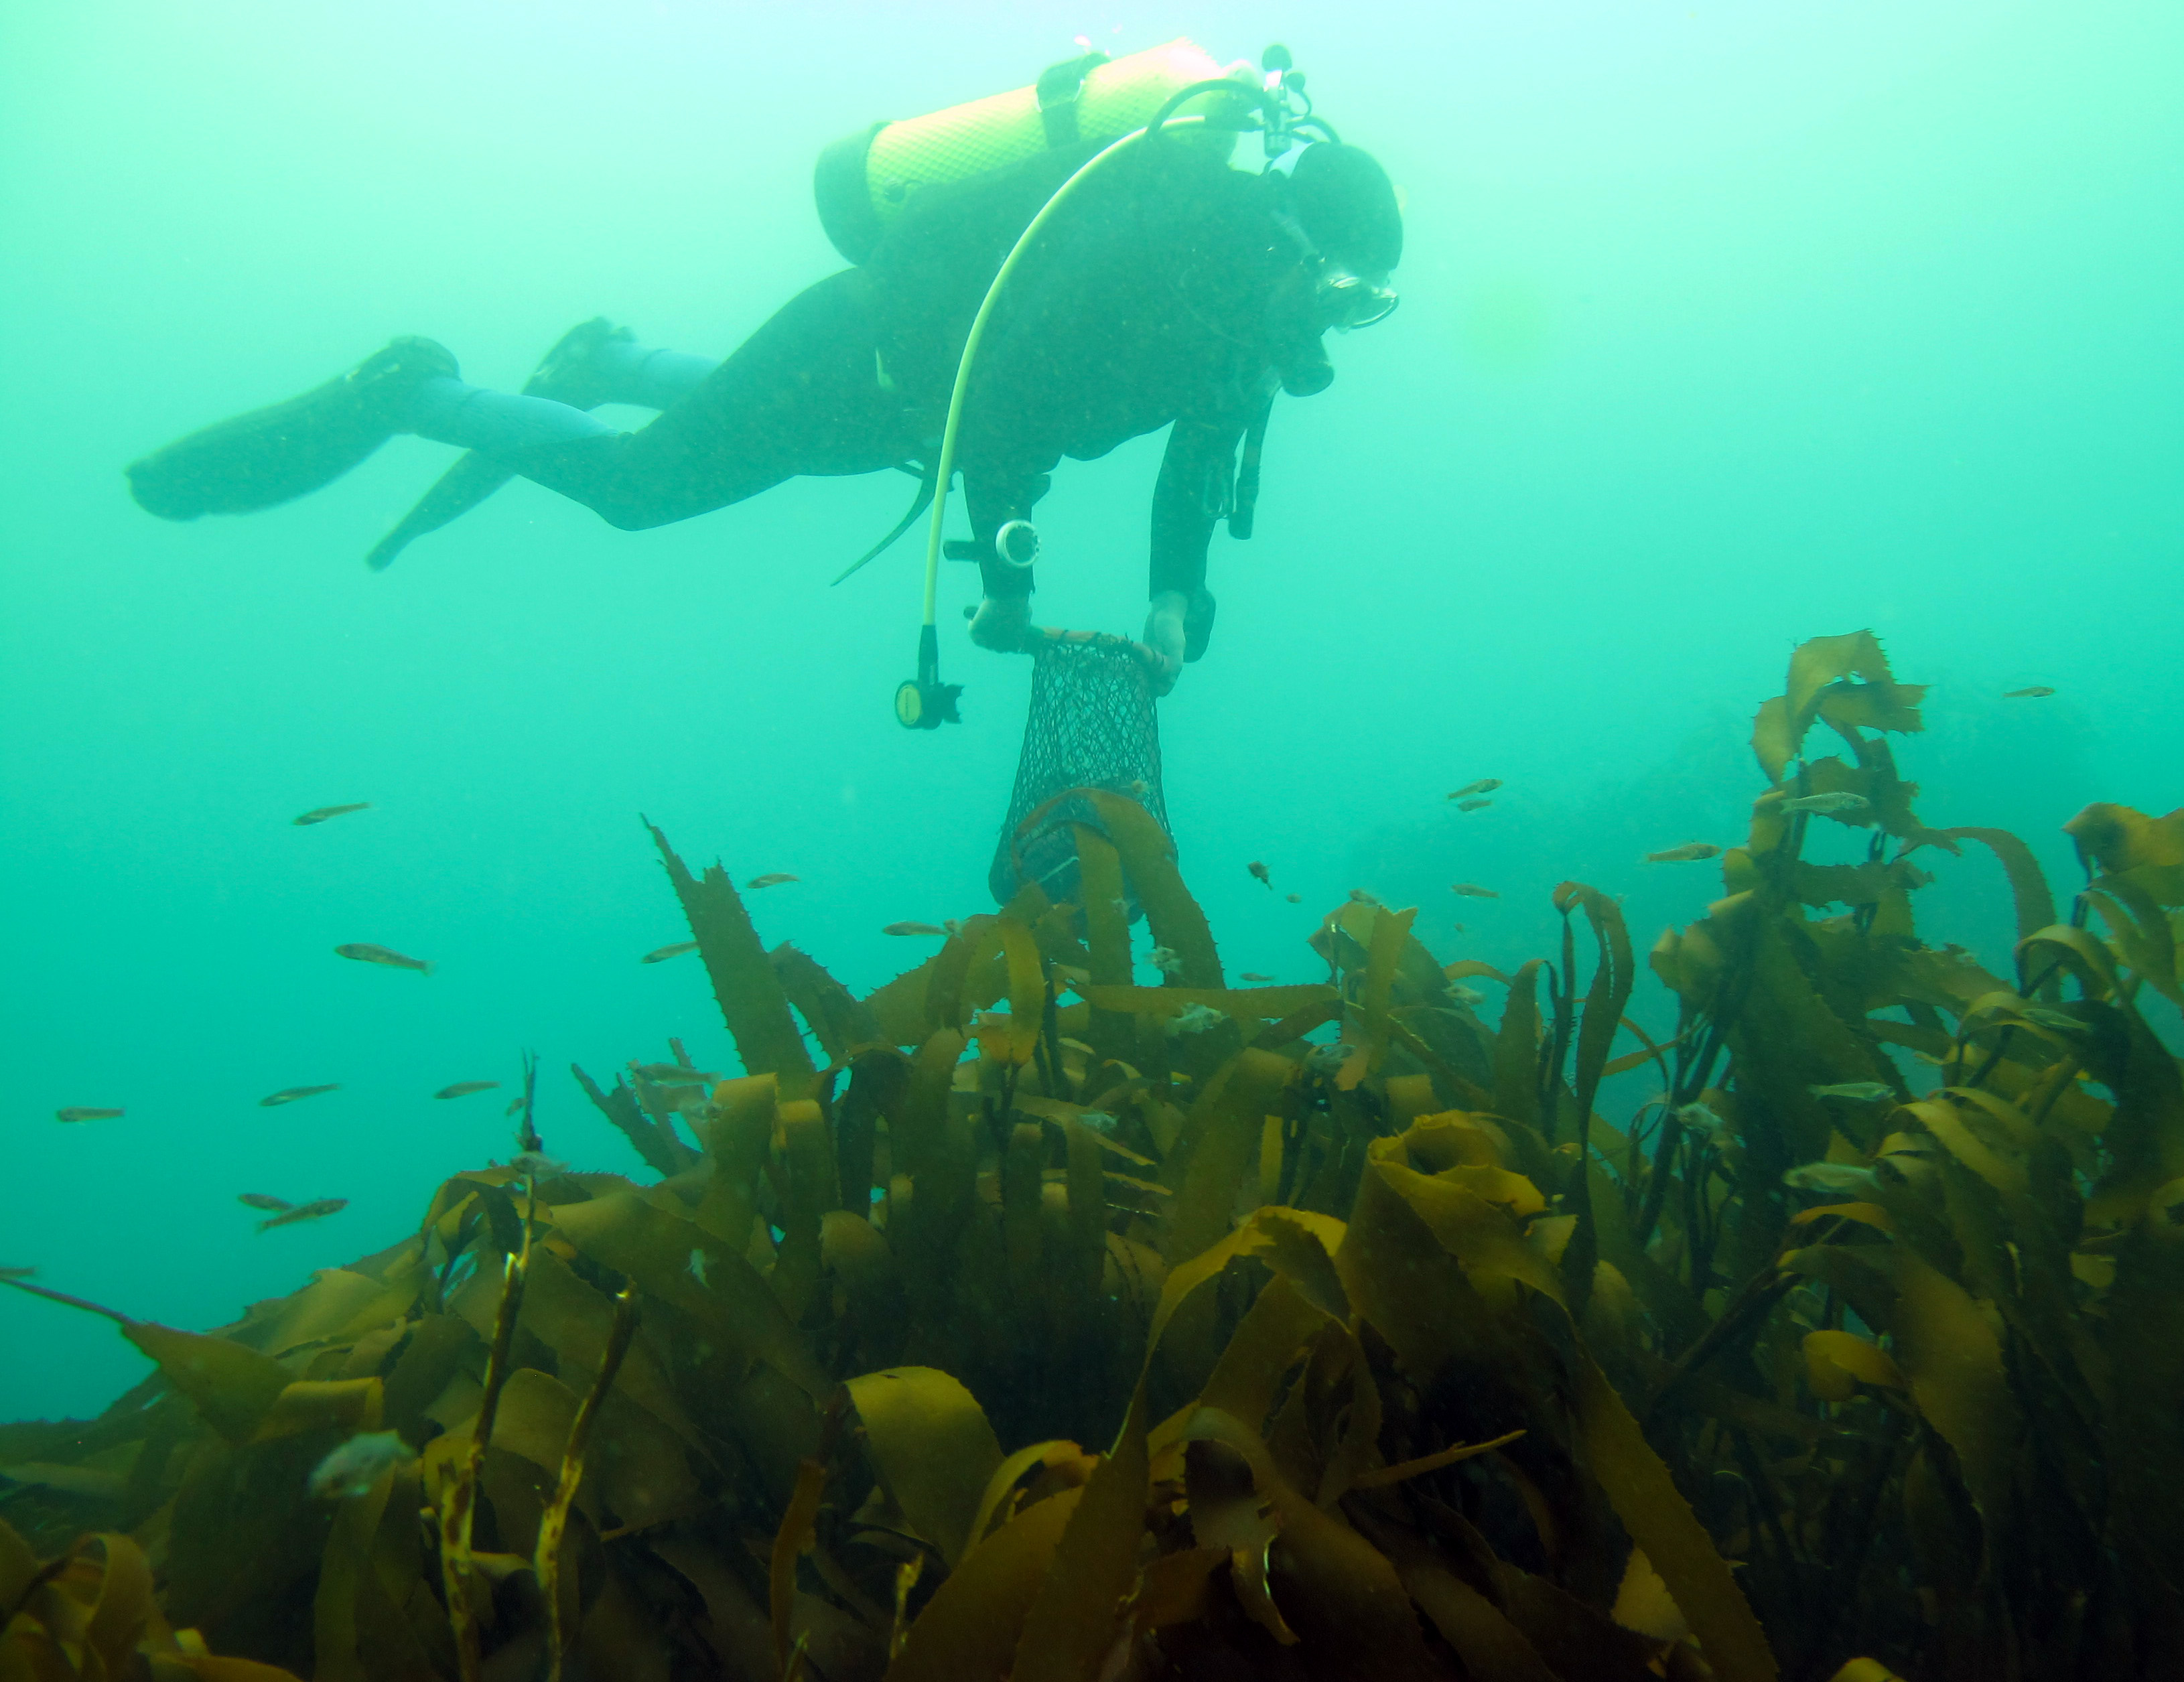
1003, 624
1164, 637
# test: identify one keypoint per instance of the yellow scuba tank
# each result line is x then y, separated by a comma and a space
862, 182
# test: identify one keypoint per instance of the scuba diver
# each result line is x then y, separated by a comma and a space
1176, 290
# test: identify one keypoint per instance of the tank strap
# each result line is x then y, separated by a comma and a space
1058, 87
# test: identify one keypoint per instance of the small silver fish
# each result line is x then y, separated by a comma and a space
317, 1211
1469, 997
1472, 805
2038, 692
289, 1094
1690, 852
1196, 1019
1486, 785
2055, 1019
18, 1273
913, 928
697, 1268
1829, 1177
1098, 1120
463, 1088
1295, 898
772, 879
320, 814
1472, 890
1827, 803
85, 1112
1164, 960
665, 953
363, 952
352, 1469
1858, 1091
265, 1202
673, 1074
1700, 1119
1255, 977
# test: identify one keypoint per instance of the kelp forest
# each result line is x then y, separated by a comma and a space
1017, 1320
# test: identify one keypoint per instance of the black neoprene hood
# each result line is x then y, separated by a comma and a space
1346, 203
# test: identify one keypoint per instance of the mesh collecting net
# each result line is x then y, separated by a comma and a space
1092, 724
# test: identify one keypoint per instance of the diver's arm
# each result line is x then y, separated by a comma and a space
1197, 477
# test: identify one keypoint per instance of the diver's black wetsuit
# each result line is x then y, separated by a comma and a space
1170, 288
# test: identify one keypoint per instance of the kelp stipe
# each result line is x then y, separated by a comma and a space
1060, 1327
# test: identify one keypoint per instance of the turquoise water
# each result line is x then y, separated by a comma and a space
1724, 326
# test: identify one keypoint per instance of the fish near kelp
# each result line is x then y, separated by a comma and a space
320, 814
1692, 852
365, 952
673, 1074
317, 1209
660, 954
915, 928
2037, 692
464, 1089
289, 1094
351, 1470
1858, 1091
1472, 890
1826, 804
771, 879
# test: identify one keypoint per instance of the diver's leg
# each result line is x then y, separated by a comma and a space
277, 453
801, 396
596, 362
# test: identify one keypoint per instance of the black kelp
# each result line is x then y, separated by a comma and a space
1060, 1327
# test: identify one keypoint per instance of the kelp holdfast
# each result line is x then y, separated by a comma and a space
1092, 723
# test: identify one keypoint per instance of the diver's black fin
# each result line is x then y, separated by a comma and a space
275, 454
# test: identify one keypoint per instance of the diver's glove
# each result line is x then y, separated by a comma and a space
1003, 624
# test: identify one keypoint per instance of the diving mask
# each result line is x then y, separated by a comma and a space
1347, 301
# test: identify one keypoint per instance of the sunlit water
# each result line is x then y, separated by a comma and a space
1724, 326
